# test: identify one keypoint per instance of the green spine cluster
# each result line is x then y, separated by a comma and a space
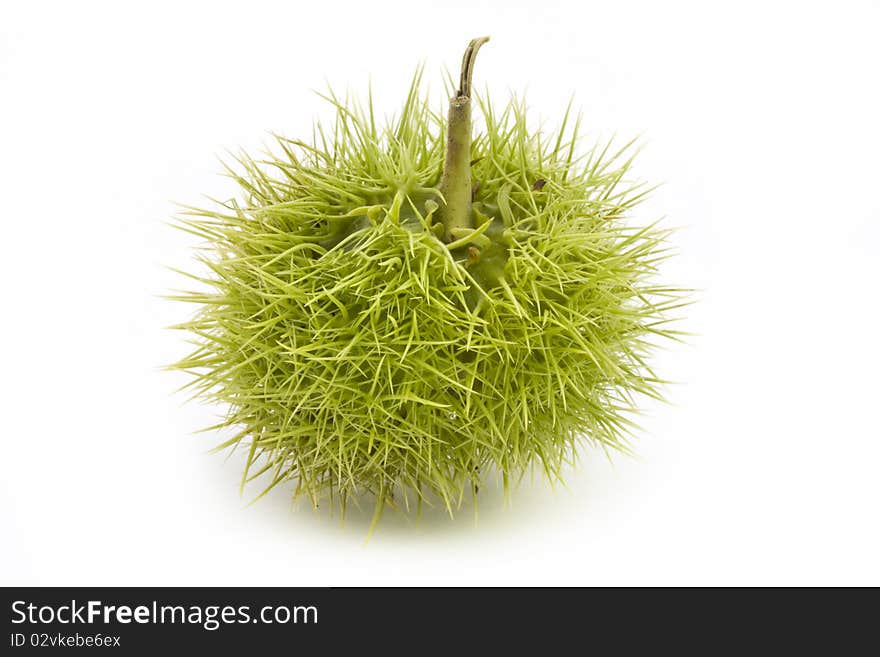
361, 345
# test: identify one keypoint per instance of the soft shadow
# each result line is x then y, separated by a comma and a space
533, 500
493, 510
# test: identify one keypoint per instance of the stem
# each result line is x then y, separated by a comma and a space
455, 185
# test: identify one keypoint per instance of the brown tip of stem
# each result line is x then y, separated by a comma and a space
467, 66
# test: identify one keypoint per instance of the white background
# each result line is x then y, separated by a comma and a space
761, 119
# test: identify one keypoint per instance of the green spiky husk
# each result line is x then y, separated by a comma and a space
358, 350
